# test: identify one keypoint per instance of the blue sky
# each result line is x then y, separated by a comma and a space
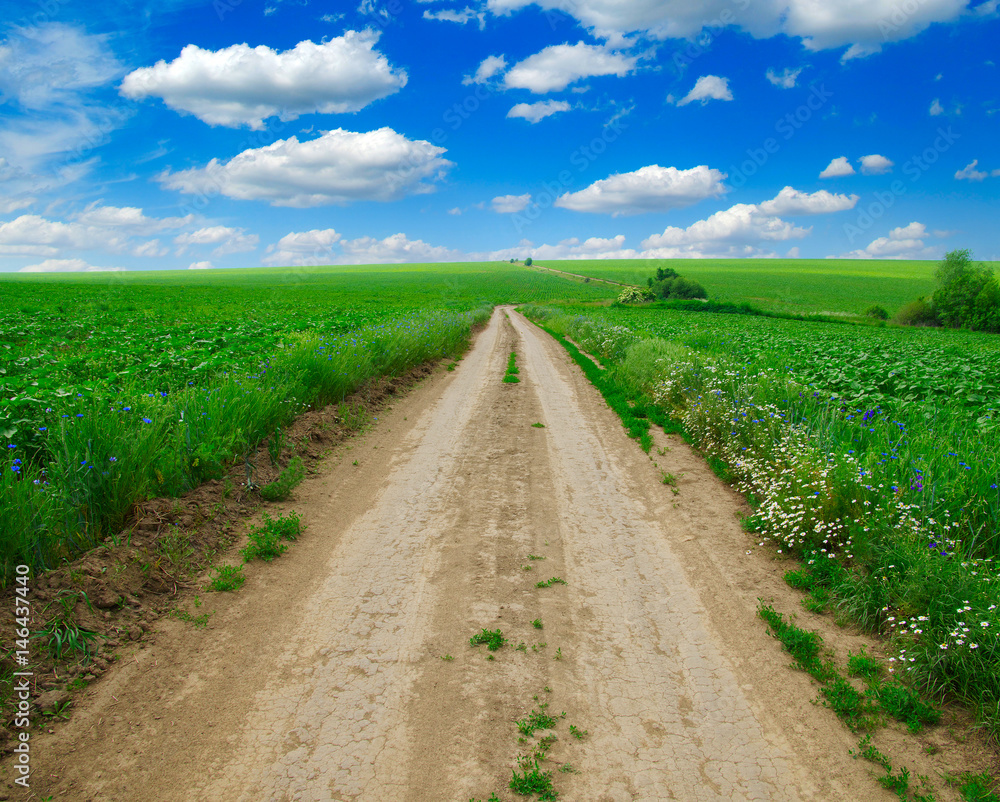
235, 133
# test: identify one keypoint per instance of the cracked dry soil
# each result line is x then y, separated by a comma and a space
323, 678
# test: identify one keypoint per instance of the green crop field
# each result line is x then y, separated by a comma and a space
870, 453
117, 387
796, 286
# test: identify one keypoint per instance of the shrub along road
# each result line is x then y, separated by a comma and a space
344, 669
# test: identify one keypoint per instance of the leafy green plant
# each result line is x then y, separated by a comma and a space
492, 638
548, 583
537, 623
536, 720
63, 637
287, 480
275, 445
510, 377
532, 780
266, 538
227, 578
538, 425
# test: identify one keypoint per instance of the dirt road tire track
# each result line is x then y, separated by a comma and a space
323, 678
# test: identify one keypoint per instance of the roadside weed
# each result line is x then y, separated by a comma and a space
266, 539
493, 638
287, 480
227, 578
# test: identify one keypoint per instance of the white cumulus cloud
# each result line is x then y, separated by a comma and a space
243, 85
67, 266
936, 108
970, 173
200, 266
876, 165
648, 189
228, 240
510, 204
791, 201
32, 235
395, 249
490, 66
905, 242
706, 88
838, 168
533, 112
338, 167
786, 79
864, 27
301, 248
736, 231
128, 219
557, 66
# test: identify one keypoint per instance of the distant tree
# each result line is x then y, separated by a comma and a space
512, 261
968, 295
877, 312
527, 262
677, 287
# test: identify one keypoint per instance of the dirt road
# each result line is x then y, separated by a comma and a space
343, 670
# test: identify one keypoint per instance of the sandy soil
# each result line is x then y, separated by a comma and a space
343, 670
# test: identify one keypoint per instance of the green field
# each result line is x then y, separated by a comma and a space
795, 286
116, 387
870, 452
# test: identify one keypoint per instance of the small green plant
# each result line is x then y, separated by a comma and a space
536, 720
905, 705
863, 665
538, 425
199, 621
511, 376
275, 445
227, 578
533, 780
452, 366
289, 478
60, 710
537, 623
548, 583
974, 787
447, 658
535, 557
577, 733
559, 654
668, 479
265, 540
493, 638
62, 635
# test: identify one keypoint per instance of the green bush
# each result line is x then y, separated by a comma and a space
877, 312
916, 313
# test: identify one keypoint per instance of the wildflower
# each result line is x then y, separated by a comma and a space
146, 420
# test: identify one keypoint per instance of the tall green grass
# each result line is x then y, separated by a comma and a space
99, 456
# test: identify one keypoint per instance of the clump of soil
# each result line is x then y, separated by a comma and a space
116, 590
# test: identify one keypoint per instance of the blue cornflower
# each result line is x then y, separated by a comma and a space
146, 420
11, 445
79, 414
112, 459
